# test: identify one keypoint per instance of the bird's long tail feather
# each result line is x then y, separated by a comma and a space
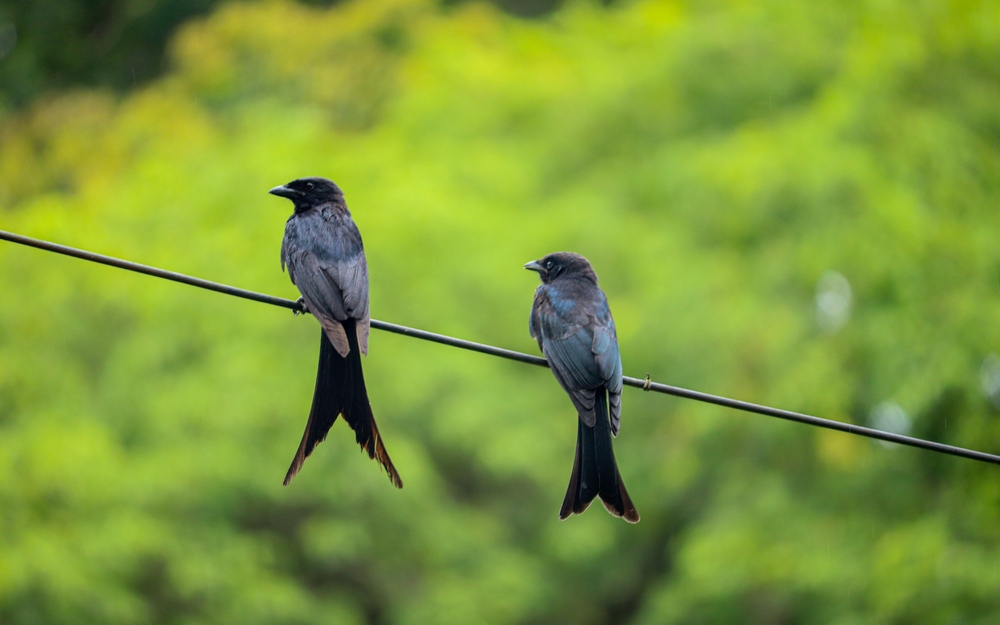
340, 389
358, 410
595, 472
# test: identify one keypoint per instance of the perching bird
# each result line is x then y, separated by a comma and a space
326, 260
572, 323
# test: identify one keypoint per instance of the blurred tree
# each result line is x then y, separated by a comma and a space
85, 43
791, 203
48, 45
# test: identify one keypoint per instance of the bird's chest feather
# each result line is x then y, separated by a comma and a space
560, 312
325, 234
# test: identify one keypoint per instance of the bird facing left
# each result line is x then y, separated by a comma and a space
325, 257
572, 323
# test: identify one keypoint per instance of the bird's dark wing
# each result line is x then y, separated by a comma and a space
326, 261
609, 362
341, 254
322, 297
578, 336
352, 277
574, 367
566, 340
320, 289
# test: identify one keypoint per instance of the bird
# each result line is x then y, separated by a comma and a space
571, 320
325, 258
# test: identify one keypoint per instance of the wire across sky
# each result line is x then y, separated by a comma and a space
642, 383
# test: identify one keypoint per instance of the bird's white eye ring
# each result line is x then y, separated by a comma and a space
548, 264
310, 185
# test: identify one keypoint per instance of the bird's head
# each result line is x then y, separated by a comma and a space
307, 193
562, 265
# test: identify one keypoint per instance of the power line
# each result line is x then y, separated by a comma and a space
645, 384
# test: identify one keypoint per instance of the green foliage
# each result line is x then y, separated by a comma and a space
48, 45
714, 160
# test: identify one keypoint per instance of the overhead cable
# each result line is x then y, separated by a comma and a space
643, 383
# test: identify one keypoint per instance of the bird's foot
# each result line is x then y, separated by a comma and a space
302, 309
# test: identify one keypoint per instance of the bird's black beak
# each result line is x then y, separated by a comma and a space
283, 191
534, 266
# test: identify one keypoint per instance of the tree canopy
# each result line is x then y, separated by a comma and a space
788, 203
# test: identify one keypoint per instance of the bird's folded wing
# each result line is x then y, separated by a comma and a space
322, 296
573, 364
609, 362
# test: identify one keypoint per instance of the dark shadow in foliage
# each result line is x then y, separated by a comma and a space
521, 8
656, 556
107, 43
166, 604
471, 484
117, 44
281, 522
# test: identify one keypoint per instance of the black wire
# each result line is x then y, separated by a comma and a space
149, 271
645, 384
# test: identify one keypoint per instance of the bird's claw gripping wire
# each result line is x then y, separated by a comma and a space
647, 383
302, 308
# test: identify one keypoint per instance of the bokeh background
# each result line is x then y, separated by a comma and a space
792, 203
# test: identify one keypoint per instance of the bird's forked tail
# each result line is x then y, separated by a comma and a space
595, 472
340, 389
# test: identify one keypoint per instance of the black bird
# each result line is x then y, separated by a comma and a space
326, 260
572, 323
